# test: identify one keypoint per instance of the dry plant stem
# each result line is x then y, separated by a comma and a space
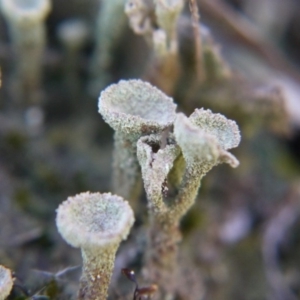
198, 42
96, 273
247, 35
276, 232
126, 170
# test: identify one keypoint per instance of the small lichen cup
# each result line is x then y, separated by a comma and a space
133, 108
6, 282
199, 143
96, 223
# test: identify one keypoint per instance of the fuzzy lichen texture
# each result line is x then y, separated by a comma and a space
133, 109
204, 139
163, 237
156, 164
199, 143
96, 223
6, 282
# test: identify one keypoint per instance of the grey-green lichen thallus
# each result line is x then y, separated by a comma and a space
96, 223
6, 282
133, 109
199, 143
26, 23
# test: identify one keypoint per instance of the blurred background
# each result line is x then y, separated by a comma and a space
242, 237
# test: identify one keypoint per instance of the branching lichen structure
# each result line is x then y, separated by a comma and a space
133, 109
202, 140
172, 164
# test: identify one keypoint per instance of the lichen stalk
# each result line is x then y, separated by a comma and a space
28, 34
29, 47
164, 235
73, 34
126, 170
162, 255
96, 223
167, 13
133, 109
108, 34
97, 270
186, 196
199, 143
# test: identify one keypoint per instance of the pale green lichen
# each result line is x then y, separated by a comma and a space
157, 22
172, 164
133, 108
96, 223
200, 143
108, 32
167, 13
27, 31
204, 139
6, 282
156, 164
73, 34
139, 16
25, 13
226, 131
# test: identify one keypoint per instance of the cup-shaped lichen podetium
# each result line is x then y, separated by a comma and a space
6, 282
25, 20
163, 234
201, 141
204, 139
96, 223
133, 108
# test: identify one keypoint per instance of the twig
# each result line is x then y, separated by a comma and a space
198, 42
274, 235
248, 35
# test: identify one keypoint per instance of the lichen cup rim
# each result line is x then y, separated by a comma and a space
200, 146
135, 106
15, 9
108, 220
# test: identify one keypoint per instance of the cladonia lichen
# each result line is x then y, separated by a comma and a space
133, 109
174, 152
96, 223
26, 22
173, 157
